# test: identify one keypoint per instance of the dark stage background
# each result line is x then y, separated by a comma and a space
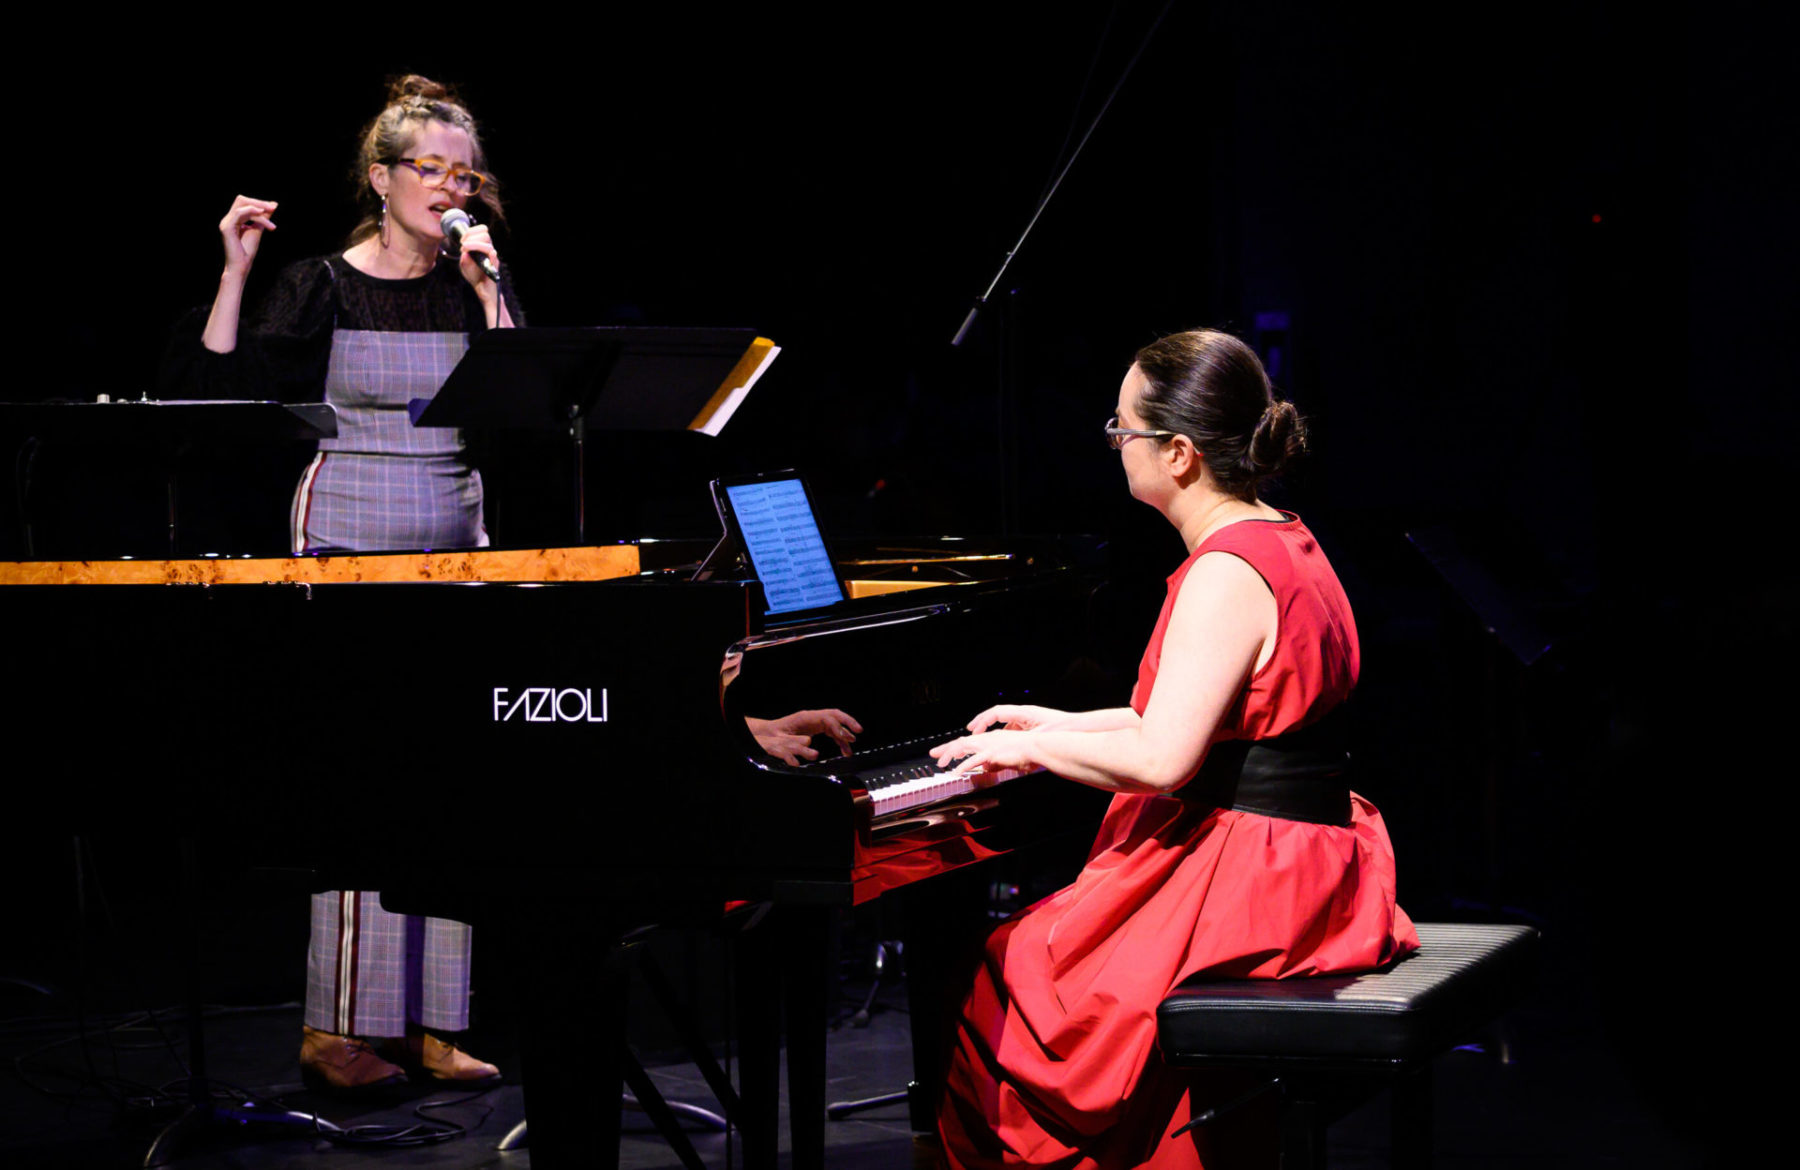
1527, 270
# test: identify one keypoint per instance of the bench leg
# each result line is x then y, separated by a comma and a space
1304, 1116
1410, 1120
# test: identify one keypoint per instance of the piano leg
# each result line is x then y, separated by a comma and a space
945, 924
781, 965
573, 1001
783, 960
807, 937
756, 999
572, 989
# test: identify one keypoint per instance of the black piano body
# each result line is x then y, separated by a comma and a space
584, 739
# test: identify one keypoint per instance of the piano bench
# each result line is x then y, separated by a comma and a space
1330, 1043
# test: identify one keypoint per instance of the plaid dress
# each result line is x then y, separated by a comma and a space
384, 484
326, 331
371, 973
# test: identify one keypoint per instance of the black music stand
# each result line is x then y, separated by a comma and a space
171, 427
202, 1113
625, 378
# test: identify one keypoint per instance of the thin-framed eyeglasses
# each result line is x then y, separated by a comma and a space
1117, 436
435, 172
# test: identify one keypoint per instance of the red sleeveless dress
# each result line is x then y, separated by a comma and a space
1055, 1060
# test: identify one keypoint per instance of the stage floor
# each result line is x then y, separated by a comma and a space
1561, 1101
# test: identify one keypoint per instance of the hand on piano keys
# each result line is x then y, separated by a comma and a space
787, 738
983, 759
1017, 717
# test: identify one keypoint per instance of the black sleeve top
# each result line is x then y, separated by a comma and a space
283, 351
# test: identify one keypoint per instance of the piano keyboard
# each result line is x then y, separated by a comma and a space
911, 782
903, 788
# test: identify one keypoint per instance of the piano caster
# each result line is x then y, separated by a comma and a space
663, 1113
838, 1110
887, 952
688, 1111
519, 1136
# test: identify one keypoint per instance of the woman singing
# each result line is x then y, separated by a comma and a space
367, 330
1209, 859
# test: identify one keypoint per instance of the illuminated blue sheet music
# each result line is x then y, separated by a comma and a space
785, 546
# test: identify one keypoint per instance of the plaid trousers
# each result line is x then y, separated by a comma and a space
371, 973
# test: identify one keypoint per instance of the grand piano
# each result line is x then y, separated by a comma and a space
568, 726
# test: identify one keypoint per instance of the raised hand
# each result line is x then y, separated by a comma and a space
242, 230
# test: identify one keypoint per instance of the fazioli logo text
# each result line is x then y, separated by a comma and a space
549, 705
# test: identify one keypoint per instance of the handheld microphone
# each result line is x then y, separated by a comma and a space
456, 223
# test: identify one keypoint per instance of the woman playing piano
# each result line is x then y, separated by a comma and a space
368, 329
1206, 861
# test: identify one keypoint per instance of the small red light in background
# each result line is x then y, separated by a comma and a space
1596, 217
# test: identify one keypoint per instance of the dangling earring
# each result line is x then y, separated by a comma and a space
384, 227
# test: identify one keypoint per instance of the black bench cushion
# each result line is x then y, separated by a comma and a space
1461, 977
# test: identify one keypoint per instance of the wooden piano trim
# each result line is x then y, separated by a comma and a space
539, 564
861, 588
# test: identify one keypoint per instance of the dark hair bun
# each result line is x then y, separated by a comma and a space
1212, 388
1280, 436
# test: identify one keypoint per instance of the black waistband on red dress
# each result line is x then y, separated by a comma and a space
1301, 776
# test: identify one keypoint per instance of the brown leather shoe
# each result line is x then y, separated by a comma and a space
432, 1059
344, 1065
